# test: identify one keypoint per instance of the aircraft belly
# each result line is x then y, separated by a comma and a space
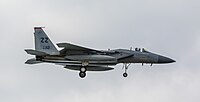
90, 58
66, 62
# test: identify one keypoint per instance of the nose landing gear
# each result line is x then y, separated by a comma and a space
125, 67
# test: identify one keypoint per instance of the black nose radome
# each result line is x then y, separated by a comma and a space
162, 59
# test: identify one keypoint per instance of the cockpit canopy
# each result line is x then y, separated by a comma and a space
141, 50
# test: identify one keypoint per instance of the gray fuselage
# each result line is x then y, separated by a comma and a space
111, 57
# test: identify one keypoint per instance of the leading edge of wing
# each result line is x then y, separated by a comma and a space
73, 47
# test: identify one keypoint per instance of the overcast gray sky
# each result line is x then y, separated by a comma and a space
167, 27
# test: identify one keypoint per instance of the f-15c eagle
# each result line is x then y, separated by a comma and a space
84, 59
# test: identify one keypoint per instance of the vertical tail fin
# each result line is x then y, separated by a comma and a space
43, 43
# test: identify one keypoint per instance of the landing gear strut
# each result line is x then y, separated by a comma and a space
125, 66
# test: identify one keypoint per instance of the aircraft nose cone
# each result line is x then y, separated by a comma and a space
162, 59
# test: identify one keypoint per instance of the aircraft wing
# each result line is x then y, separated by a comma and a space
72, 47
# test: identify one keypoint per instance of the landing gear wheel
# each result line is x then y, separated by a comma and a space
125, 74
82, 69
82, 74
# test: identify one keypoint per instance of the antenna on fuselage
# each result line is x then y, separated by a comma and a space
131, 48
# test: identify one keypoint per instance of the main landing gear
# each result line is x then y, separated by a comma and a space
83, 69
82, 72
125, 67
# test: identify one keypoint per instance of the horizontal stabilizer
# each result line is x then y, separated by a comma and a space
89, 68
34, 52
32, 61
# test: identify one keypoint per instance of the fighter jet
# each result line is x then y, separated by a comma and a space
85, 59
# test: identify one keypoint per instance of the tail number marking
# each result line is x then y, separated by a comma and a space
44, 40
46, 47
